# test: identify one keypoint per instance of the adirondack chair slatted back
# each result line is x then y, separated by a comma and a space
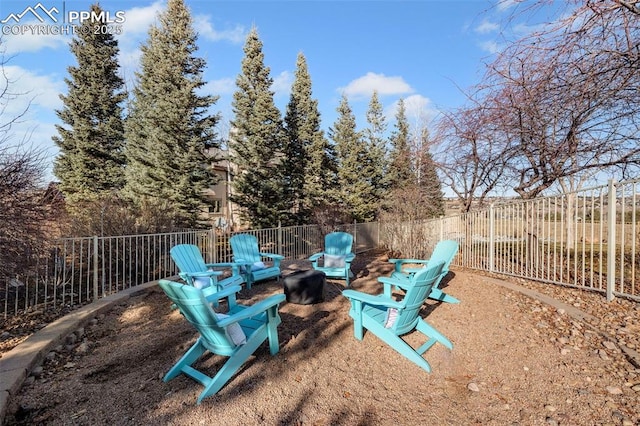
195, 309
245, 247
444, 251
338, 243
418, 291
188, 258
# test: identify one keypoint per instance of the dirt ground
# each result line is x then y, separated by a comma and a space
515, 361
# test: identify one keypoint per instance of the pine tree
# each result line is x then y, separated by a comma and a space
307, 154
169, 127
91, 140
400, 173
427, 179
260, 187
354, 189
375, 169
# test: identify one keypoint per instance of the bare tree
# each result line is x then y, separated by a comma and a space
471, 161
22, 212
565, 99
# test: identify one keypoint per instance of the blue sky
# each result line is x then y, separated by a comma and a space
425, 52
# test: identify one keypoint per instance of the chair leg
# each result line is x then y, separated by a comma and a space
187, 359
356, 314
431, 332
400, 346
437, 294
230, 368
272, 330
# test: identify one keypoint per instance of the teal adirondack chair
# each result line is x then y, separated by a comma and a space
337, 256
247, 253
390, 319
235, 335
194, 271
444, 251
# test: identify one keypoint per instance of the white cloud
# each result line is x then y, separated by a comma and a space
282, 84
223, 86
490, 46
33, 106
419, 108
503, 5
139, 19
41, 90
203, 26
486, 27
30, 41
364, 86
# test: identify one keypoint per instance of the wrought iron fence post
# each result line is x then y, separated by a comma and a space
492, 239
611, 241
355, 235
279, 237
212, 246
96, 295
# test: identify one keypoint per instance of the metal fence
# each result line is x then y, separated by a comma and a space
80, 270
587, 239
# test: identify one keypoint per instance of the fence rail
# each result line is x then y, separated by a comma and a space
587, 239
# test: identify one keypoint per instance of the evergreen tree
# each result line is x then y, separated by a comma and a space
427, 179
260, 187
354, 188
400, 173
169, 127
307, 154
375, 168
91, 140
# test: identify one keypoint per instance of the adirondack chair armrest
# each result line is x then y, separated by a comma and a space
211, 294
235, 267
253, 310
389, 282
316, 256
399, 262
402, 283
349, 257
371, 299
273, 256
202, 274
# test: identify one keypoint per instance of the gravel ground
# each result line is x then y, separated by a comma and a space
515, 361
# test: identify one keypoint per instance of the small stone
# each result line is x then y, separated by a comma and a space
51, 356
473, 387
550, 408
37, 372
79, 332
82, 348
636, 388
561, 311
70, 365
603, 355
526, 368
609, 345
614, 390
564, 351
5, 335
71, 339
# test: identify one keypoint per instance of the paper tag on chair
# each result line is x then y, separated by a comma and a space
390, 319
